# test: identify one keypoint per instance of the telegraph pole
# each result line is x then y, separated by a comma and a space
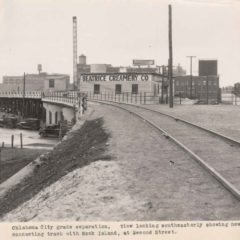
170, 56
207, 89
23, 95
162, 85
191, 57
162, 70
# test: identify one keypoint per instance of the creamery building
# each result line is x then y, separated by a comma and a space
118, 83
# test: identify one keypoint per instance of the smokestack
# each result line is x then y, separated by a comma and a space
75, 54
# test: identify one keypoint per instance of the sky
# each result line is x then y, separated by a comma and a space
116, 32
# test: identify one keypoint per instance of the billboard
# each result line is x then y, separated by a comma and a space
208, 68
141, 62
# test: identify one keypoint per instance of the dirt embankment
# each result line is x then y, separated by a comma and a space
85, 145
14, 159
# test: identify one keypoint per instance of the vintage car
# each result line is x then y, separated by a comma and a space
52, 131
1, 122
8, 122
29, 123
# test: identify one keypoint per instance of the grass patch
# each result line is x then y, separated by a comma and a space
14, 159
86, 145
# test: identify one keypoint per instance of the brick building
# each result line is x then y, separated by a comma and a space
36, 82
204, 88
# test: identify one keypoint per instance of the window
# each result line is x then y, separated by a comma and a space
96, 89
61, 116
50, 117
51, 83
135, 89
118, 89
56, 117
155, 89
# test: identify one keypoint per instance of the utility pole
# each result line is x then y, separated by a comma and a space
207, 88
23, 95
162, 85
191, 57
163, 71
170, 57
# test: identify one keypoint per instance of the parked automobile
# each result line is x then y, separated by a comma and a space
1, 122
8, 122
29, 123
51, 131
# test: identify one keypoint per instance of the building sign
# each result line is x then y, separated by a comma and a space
123, 77
139, 62
208, 67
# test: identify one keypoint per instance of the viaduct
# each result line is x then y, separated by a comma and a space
50, 108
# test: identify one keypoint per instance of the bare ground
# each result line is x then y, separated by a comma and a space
139, 183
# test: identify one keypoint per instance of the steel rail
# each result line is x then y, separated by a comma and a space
224, 182
192, 124
181, 120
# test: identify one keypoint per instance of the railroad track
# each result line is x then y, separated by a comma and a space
216, 153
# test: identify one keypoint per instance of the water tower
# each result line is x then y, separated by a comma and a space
82, 60
39, 67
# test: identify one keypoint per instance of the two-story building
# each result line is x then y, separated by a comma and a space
36, 82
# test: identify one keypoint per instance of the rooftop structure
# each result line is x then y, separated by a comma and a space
83, 67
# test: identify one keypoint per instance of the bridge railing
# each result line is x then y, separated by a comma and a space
69, 98
20, 94
126, 97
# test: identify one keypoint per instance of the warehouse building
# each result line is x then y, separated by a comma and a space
120, 82
106, 79
144, 79
204, 88
36, 82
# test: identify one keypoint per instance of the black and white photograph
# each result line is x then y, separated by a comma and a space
118, 111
